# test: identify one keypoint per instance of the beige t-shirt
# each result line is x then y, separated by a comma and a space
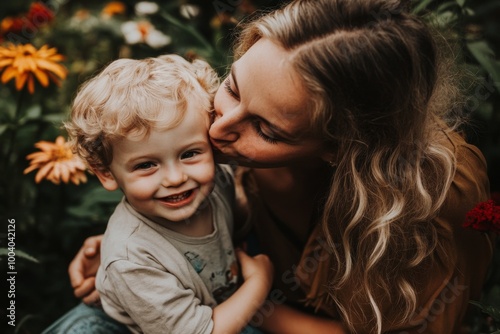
157, 281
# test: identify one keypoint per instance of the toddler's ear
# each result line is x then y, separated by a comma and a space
107, 179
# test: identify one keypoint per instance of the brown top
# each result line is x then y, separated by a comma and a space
301, 263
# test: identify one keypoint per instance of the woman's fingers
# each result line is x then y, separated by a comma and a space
86, 288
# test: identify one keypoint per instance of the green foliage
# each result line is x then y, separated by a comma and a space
494, 314
53, 220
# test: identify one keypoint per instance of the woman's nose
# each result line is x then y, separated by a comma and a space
225, 127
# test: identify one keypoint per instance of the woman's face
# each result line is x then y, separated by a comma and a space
261, 111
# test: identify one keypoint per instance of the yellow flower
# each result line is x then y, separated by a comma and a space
56, 162
25, 62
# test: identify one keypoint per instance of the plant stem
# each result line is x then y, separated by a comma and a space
192, 31
13, 134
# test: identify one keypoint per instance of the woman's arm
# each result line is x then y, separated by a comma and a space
82, 270
285, 319
235, 313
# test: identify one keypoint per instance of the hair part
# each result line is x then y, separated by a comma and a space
132, 97
379, 91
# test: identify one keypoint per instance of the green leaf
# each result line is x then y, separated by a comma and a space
478, 304
19, 253
3, 128
486, 58
492, 311
190, 30
54, 118
93, 202
26, 256
101, 195
32, 113
421, 6
19, 327
461, 3
446, 7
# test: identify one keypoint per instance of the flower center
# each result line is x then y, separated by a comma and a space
62, 154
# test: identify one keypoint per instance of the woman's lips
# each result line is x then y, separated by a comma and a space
178, 200
223, 153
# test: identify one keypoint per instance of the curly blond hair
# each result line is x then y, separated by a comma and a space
131, 97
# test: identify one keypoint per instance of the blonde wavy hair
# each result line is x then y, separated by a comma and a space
132, 97
379, 89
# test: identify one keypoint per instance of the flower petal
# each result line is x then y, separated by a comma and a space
65, 173
42, 77
31, 168
56, 172
45, 145
55, 68
31, 84
43, 172
60, 141
21, 80
5, 62
8, 74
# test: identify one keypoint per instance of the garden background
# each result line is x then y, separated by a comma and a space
53, 215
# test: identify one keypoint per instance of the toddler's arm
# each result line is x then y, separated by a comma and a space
235, 313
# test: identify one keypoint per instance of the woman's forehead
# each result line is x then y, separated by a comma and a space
271, 87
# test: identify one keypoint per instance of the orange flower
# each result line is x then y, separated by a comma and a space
11, 24
56, 162
114, 8
25, 62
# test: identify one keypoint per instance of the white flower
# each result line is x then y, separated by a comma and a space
144, 32
146, 8
189, 11
84, 21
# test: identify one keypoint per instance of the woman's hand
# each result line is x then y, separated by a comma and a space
83, 269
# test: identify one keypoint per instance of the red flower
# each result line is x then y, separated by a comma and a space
39, 14
484, 217
495, 196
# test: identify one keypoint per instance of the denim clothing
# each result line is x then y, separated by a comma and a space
84, 319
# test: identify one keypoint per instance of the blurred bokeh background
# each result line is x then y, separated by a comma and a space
47, 48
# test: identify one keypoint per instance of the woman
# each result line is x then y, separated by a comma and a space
362, 210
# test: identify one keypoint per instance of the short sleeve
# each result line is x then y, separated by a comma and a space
156, 300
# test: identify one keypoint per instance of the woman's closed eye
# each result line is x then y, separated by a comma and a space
268, 138
229, 90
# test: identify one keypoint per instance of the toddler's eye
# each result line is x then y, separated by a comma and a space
144, 165
188, 154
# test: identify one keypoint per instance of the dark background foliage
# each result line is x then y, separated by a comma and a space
53, 220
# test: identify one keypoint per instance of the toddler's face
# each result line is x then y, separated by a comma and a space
168, 175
